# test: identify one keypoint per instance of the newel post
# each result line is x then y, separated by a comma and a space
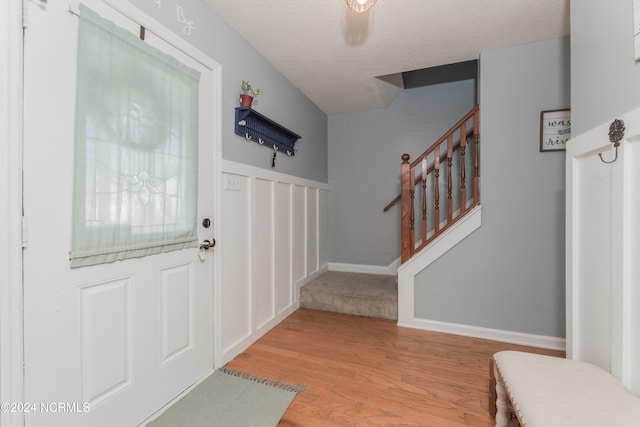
406, 237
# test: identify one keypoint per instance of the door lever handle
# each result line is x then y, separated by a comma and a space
208, 244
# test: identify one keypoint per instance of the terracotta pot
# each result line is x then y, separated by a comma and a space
246, 100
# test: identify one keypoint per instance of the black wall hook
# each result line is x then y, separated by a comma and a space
616, 133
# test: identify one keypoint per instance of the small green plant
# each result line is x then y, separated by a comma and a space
248, 90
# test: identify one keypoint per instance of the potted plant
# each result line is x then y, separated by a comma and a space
248, 93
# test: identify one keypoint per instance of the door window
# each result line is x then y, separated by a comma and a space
135, 150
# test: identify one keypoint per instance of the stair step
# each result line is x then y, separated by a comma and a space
360, 294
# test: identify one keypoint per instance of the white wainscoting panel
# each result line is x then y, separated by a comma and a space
603, 248
299, 212
631, 297
263, 251
274, 240
284, 292
312, 230
323, 228
234, 248
594, 231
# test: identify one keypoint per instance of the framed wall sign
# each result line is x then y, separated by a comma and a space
555, 129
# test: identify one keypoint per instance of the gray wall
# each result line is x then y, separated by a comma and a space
365, 150
509, 274
605, 80
279, 99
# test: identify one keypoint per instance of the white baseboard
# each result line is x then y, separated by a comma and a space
531, 340
240, 346
389, 270
392, 269
301, 282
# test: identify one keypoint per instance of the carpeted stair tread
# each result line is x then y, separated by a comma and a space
352, 293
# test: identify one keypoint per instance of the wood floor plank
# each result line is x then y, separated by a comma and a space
360, 371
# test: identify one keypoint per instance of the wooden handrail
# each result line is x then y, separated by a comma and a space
418, 180
456, 146
397, 198
443, 174
428, 151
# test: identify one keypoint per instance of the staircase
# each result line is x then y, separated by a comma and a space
440, 206
360, 294
444, 221
440, 174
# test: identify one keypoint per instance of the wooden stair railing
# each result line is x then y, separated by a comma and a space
428, 167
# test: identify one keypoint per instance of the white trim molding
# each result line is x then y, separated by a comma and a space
229, 166
303, 281
11, 339
511, 337
386, 270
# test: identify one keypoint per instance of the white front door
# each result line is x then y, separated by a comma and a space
105, 345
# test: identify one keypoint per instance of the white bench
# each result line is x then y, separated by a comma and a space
532, 390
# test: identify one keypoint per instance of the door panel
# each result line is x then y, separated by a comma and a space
114, 342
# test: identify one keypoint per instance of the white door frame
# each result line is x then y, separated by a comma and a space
11, 139
11, 336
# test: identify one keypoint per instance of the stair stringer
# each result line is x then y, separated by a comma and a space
408, 271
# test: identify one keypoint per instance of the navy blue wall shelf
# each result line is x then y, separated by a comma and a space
258, 128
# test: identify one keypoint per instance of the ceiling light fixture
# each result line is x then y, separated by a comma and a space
360, 5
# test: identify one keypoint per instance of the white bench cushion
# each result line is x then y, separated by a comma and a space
550, 391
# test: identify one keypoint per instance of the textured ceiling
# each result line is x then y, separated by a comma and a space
334, 56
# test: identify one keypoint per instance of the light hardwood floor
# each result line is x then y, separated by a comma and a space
360, 371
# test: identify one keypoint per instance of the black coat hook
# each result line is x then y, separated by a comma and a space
616, 133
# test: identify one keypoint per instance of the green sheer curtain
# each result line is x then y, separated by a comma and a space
136, 143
